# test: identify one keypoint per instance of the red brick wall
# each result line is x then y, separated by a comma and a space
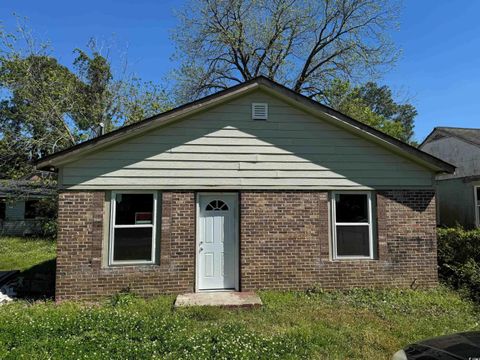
284, 244
79, 267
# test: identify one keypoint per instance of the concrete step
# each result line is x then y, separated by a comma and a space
219, 298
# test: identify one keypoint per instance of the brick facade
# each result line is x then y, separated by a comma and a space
284, 244
80, 273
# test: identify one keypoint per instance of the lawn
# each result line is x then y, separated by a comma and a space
35, 258
24, 253
360, 324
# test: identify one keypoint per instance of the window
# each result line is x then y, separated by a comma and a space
216, 205
32, 209
352, 226
3, 209
132, 235
477, 204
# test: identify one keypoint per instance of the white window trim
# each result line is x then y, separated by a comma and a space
111, 239
477, 205
335, 224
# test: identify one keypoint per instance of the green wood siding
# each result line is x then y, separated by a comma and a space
224, 148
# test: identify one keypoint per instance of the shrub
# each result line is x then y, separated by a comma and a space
49, 228
459, 259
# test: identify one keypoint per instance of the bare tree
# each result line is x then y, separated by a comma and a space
301, 43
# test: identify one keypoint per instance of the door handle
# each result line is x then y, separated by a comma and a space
201, 249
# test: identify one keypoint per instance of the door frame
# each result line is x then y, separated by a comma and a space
236, 239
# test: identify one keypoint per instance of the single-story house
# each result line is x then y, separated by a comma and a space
458, 194
21, 210
254, 187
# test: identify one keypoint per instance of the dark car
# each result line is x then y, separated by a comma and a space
450, 347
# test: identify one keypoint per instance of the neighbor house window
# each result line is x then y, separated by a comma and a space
132, 235
3, 209
477, 204
32, 209
352, 225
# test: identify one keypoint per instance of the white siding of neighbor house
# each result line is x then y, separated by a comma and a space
465, 156
456, 202
224, 148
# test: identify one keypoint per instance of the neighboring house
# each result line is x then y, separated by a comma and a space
458, 194
254, 187
20, 204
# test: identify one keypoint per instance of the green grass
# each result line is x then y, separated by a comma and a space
23, 253
360, 324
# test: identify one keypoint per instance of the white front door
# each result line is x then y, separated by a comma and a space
217, 245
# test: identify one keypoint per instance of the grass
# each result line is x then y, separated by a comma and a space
23, 253
358, 324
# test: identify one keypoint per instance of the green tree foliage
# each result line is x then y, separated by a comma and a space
373, 105
304, 44
46, 106
34, 113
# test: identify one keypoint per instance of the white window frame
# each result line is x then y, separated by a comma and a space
477, 205
113, 226
334, 223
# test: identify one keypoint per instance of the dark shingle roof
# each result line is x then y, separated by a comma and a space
26, 188
470, 135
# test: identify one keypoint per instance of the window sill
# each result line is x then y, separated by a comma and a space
346, 259
124, 264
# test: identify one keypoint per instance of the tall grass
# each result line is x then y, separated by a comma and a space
360, 324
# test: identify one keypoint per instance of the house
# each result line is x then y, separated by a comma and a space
21, 209
458, 193
254, 187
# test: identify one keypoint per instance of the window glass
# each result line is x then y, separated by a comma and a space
478, 195
352, 225
351, 208
216, 205
133, 228
134, 209
31, 209
3, 208
353, 241
133, 244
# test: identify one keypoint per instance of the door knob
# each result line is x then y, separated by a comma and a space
201, 249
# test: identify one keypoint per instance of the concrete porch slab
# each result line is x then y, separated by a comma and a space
219, 298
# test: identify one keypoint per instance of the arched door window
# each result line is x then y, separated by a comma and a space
216, 205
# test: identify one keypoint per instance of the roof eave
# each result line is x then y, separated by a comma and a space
57, 159
416, 155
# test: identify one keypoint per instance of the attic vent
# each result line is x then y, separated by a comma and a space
259, 111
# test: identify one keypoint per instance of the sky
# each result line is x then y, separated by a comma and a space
438, 71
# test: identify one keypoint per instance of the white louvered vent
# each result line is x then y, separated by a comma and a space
259, 111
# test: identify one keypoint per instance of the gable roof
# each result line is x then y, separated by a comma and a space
273, 88
470, 135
